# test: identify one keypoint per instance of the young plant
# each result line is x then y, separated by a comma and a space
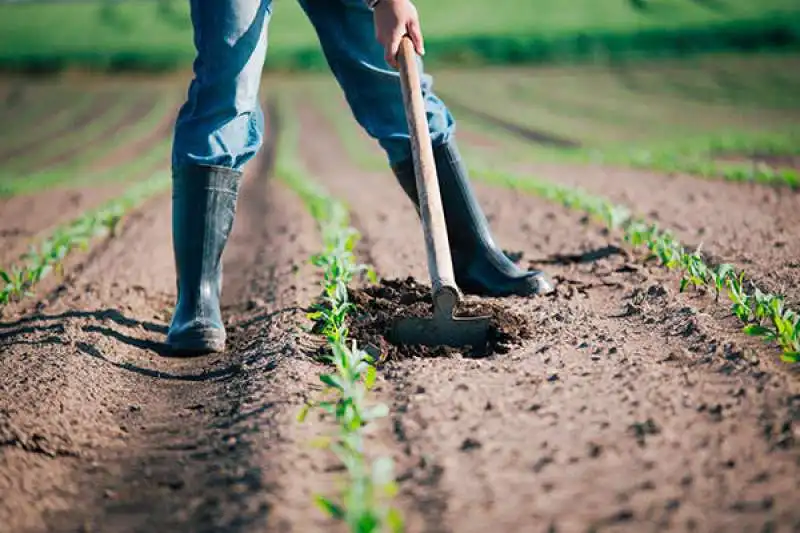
363, 504
762, 314
49, 255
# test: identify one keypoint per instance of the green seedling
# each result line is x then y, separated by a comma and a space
363, 504
762, 315
49, 255
719, 278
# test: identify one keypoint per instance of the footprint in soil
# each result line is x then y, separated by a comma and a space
378, 306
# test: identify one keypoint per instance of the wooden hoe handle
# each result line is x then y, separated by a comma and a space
440, 264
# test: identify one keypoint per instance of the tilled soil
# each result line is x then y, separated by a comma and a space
753, 226
100, 431
749, 225
630, 408
613, 404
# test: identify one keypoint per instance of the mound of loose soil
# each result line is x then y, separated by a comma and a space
378, 306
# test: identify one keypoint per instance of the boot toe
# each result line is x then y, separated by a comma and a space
196, 338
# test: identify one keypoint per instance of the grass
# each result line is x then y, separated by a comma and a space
49, 255
362, 506
762, 314
156, 34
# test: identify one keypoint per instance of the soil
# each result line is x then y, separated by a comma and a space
379, 306
643, 404
615, 403
25, 218
141, 107
103, 102
778, 162
752, 226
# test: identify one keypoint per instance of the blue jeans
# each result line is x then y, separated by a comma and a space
222, 122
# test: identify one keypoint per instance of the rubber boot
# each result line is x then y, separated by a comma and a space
203, 210
480, 267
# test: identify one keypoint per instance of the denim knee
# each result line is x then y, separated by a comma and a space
222, 123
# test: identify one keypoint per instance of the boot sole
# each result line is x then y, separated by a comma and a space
197, 343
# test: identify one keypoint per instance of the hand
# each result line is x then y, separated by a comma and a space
393, 20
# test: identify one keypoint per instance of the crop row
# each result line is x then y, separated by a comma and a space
698, 156
77, 168
363, 506
763, 314
49, 255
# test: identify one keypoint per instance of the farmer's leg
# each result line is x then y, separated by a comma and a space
218, 130
372, 89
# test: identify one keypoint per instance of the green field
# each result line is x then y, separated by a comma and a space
156, 35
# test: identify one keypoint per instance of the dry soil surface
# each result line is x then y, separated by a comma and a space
622, 405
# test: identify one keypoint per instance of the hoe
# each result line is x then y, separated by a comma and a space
443, 328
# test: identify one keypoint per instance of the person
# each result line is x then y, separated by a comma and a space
220, 126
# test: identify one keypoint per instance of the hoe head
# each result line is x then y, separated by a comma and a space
442, 329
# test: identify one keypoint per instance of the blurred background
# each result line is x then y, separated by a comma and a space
707, 87
156, 35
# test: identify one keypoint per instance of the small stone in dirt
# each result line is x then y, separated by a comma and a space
109, 494
595, 450
541, 463
687, 480
641, 429
174, 484
420, 389
133, 408
743, 506
535, 407
470, 444
612, 350
623, 515
488, 406
552, 377
672, 504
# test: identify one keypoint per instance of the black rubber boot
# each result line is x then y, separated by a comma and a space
479, 265
203, 210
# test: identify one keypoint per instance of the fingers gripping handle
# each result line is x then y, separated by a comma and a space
440, 264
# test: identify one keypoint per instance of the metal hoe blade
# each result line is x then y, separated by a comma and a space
442, 329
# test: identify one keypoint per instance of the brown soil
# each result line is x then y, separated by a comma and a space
772, 161
752, 226
631, 407
141, 107
618, 404
377, 307
99, 431
26, 218
103, 103
129, 152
